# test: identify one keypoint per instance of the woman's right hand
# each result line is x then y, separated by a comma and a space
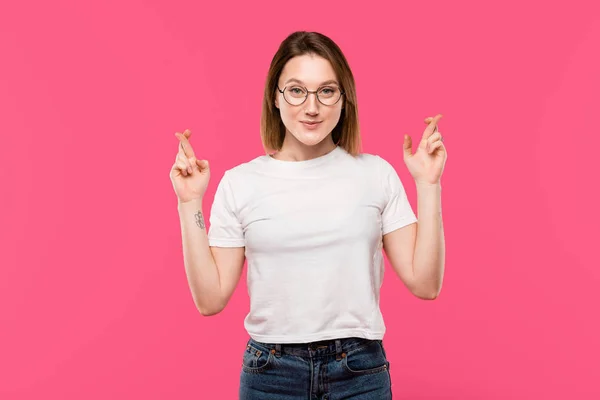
189, 175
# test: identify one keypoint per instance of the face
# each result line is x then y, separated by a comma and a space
311, 72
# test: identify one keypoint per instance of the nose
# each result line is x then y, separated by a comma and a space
312, 104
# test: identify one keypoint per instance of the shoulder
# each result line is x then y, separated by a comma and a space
243, 178
374, 163
245, 169
368, 158
383, 171
383, 166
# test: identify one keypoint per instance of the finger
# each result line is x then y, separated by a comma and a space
432, 125
430, 129
182, 167
185, 143
202, 165
188, 162
436, 145
407, 146
181, 149
428, 121
176, 168
436, 136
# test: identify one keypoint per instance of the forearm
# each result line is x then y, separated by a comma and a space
428, 263
200, 267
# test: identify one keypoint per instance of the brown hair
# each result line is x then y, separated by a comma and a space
272, 130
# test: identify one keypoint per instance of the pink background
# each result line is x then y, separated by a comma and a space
94, 302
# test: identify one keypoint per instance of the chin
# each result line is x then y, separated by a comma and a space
310, 139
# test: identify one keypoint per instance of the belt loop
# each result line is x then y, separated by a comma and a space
338, 349
277, 350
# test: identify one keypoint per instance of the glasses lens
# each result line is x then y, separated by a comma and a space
329, 95
295, 95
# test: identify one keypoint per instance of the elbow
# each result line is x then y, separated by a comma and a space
427, 289
428, 294
208, 312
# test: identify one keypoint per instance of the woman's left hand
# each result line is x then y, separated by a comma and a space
427, 164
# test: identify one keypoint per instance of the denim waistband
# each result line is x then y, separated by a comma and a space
312, 349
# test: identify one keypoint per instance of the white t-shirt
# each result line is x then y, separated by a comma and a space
313, 237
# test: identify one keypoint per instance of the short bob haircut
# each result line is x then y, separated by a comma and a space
346, 133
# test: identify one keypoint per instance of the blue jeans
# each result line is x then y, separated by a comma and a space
349, 368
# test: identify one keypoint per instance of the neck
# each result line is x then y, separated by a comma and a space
293, 150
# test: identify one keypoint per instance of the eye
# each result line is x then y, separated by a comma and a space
328, 90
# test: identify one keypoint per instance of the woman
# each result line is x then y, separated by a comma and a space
311, 219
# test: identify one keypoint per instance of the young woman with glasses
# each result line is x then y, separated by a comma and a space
311, 217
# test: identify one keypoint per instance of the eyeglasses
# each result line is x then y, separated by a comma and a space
296, 95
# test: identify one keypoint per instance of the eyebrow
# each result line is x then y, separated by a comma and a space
322, 83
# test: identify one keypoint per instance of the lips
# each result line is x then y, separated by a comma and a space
311, 125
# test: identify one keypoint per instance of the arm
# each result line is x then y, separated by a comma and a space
212, 272
417, 251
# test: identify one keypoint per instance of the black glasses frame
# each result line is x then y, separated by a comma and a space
342, 92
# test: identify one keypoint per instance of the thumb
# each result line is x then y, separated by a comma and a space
407, 146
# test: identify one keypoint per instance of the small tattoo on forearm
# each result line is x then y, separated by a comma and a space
199, 219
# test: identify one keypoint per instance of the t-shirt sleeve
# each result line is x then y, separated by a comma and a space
397, 211
225, 229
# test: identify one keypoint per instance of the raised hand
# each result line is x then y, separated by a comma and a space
189, 175
427, 163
